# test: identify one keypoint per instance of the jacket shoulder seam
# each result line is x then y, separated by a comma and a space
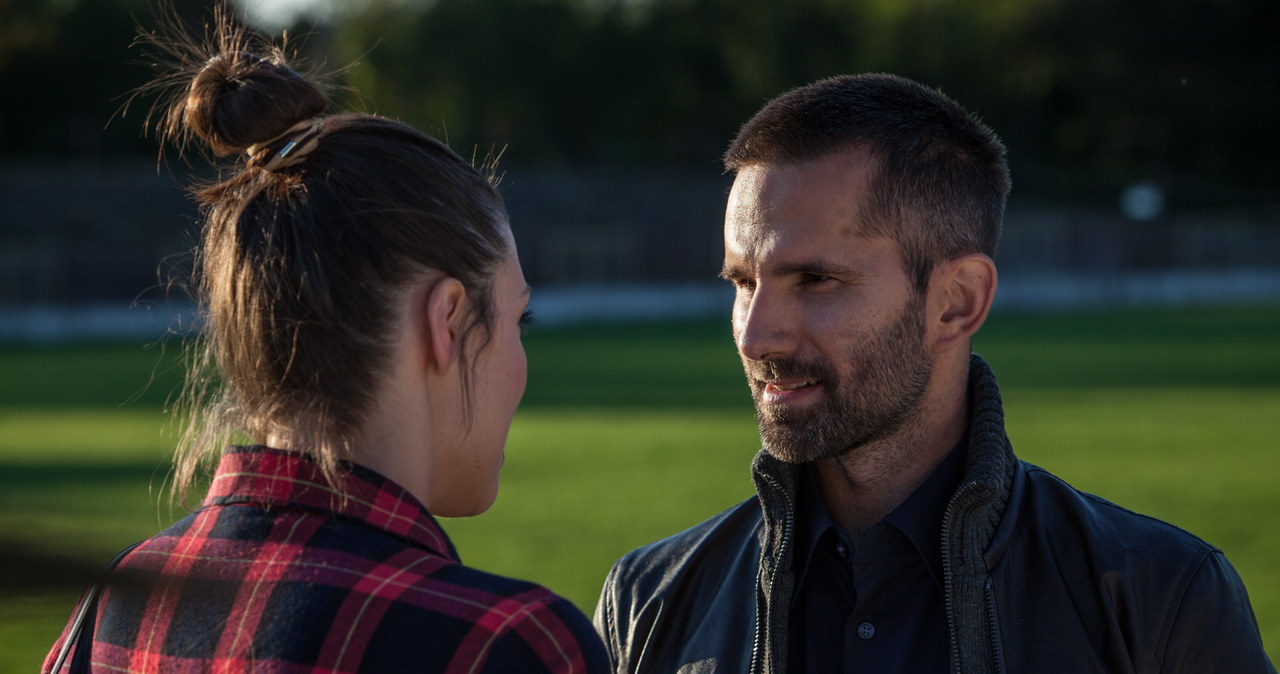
1175, 607
1204, 546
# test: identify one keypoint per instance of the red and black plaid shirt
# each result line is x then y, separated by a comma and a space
279, 573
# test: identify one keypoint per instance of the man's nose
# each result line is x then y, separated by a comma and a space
764, 325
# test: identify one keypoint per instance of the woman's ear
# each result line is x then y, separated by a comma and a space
960, 295
442, 322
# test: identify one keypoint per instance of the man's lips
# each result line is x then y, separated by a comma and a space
789, 391
788, 386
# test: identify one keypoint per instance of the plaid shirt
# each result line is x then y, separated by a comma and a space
278, 573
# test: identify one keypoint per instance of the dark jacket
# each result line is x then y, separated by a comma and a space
1039, 577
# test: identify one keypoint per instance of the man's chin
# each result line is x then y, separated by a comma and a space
786, 455
787, 447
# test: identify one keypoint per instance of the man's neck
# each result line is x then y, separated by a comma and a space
864, 485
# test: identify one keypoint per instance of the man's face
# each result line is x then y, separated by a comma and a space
829, 328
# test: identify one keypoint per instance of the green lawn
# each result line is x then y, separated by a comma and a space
628, 434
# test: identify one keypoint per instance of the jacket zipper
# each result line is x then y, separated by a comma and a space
993, 626
993, 622
763, 631
946, 579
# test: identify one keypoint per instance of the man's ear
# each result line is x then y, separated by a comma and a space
960, 294
442, 320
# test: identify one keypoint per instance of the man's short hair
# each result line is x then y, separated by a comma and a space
939, 177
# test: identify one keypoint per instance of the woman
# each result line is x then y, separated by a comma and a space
362, 304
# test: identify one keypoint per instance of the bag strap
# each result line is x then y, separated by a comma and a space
81, 636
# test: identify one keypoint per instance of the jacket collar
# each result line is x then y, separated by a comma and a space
268, 477
970, 523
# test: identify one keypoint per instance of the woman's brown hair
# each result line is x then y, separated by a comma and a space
300, 262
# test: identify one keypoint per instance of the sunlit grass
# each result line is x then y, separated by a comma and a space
629, 434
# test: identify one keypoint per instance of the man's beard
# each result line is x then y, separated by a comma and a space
888, 372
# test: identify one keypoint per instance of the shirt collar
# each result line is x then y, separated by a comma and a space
814, 517
269, 477
919, 518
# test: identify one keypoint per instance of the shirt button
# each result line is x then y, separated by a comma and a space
842, 550
866, 630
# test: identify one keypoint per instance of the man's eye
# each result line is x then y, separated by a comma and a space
526, 320
814, 279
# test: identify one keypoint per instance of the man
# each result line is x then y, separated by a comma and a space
893, 528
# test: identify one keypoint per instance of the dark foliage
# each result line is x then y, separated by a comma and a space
1088, 94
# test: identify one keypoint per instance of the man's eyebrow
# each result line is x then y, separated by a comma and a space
729, 273
814, 267
817, 267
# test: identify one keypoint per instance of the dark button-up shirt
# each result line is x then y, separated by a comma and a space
878, 604
280, 572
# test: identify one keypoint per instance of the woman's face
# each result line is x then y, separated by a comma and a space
466, 473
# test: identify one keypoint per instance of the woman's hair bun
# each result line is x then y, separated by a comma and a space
239, 99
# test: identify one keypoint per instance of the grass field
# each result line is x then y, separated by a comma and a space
628, 434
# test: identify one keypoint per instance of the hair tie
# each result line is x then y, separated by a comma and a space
294, 151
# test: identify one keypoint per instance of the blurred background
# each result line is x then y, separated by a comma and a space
1134, 331
1141, 135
